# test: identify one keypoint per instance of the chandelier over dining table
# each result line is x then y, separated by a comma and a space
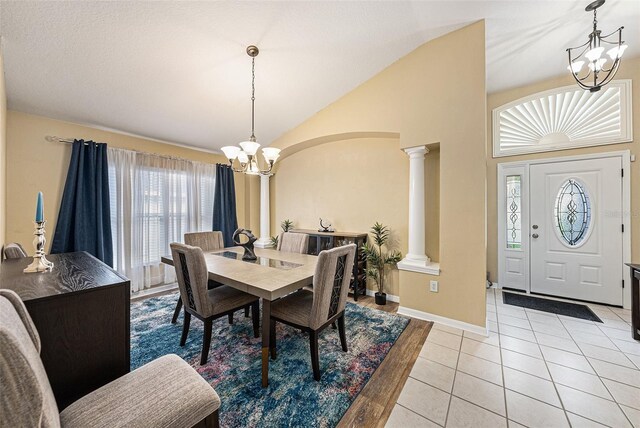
246, 154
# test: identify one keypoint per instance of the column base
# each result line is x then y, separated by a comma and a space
422, 265
416, 259
263, 243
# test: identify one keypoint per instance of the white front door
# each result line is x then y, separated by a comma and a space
576, 229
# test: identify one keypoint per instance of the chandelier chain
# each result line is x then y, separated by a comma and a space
253, 96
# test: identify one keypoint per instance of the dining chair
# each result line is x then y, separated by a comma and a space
208, 241
293, 242
313, 311
207, 304
13, 251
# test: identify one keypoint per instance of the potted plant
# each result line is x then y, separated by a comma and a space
378, 261
286, 226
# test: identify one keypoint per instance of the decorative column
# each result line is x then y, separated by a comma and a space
416, 256
265, 234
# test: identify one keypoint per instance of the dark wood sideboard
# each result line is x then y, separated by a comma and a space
319, 241
81, 310
635, 300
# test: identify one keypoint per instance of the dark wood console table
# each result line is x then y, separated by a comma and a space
81, 310
319, 241
635, 299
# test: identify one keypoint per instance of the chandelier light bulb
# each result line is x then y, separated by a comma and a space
575, 67
270, 154
231, 152
594, 53
616, 52
597, 65
250, 147
242, 157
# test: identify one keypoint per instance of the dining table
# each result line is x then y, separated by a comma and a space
273, 275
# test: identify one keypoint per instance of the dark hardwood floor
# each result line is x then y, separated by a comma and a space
375, 402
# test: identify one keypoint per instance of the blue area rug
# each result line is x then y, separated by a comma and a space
293, 398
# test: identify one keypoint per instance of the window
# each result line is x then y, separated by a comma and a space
564, 118
514, 212
155, 200
572, 213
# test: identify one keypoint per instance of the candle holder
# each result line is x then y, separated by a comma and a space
40, 262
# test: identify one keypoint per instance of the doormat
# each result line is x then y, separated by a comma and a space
557, 307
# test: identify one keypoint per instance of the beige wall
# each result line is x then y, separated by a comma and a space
3, 153
38, 165
630, 69
414, 99
354, 183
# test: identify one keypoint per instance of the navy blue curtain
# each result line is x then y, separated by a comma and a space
224, 204
84, 221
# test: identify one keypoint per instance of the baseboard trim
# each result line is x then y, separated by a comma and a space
390, 297
403, 310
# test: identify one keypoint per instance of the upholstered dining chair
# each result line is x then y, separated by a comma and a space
175, 395
293, 242
208, 241
313, 311
204, 304
13, 251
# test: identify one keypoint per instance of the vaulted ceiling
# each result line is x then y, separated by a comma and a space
178, 71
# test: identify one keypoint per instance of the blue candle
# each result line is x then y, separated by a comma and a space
39, 207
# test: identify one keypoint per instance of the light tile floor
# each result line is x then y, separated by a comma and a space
535, 369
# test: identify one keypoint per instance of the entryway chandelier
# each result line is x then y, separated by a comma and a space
600, 70
246, 153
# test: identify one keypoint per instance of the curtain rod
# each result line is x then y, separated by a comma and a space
55, 139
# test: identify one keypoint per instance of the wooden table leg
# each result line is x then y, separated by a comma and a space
266, 319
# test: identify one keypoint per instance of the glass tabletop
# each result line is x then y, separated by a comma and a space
264, 261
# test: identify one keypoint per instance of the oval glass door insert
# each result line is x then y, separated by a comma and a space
572, 213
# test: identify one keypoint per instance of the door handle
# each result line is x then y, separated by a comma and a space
535, 226
535, 235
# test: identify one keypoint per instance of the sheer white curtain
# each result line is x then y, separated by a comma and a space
155, 200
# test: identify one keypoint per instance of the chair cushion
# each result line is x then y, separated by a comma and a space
26, 398
294, 308
225, 298
164, 393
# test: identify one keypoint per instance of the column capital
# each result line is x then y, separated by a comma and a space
416, 152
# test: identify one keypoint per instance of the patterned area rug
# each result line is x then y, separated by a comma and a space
293, 398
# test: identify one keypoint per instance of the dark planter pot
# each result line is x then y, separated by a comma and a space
381, 298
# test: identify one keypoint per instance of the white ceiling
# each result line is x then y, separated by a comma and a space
178, 71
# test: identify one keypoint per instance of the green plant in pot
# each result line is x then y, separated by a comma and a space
378, 260
286, 226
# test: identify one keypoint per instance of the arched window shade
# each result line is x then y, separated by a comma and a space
564, 118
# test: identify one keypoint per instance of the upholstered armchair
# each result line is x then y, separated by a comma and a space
313, 311
167, 392
207, 304
292, 242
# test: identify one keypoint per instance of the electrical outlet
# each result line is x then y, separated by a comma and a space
433, 286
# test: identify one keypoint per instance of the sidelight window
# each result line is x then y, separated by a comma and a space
514, 212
